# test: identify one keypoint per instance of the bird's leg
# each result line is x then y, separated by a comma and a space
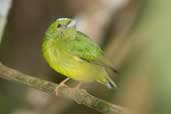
62, 83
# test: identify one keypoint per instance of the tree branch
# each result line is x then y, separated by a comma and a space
80, 96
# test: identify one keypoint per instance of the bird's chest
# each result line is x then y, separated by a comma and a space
58, 59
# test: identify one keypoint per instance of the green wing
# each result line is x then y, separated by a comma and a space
86, 49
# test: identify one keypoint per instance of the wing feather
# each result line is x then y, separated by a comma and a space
84, 48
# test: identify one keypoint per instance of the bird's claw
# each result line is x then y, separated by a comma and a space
57, 88
60, 85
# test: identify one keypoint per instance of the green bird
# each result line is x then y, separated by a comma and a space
73, 54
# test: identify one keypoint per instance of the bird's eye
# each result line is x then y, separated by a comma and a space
59, 25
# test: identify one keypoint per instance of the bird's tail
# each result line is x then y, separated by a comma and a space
107, 81
110, 83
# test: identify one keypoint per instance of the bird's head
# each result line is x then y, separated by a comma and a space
59, 26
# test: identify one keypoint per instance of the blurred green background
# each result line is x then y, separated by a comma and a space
135, 35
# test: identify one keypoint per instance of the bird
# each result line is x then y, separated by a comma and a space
75, 55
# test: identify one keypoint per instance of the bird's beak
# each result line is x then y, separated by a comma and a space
72, 24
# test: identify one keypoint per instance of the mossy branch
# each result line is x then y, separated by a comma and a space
80, 96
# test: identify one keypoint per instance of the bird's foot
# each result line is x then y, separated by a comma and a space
60, 85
